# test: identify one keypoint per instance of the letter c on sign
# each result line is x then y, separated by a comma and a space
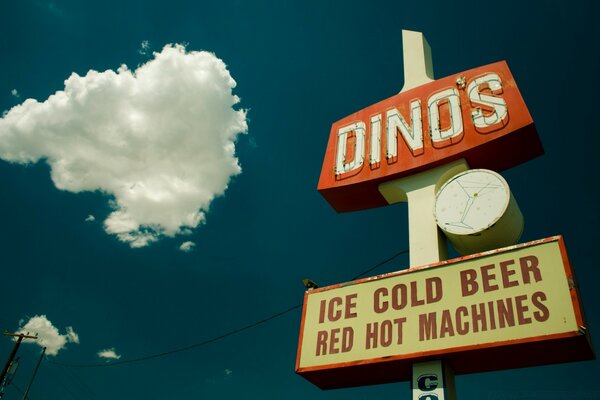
428, 396
427, 382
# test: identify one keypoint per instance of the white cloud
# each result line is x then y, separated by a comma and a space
48, 334
90, 218
144, 48
72, 336
228, 372
15, 93
186, 247
159, 139
109, 354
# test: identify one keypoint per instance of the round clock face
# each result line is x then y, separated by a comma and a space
471, 202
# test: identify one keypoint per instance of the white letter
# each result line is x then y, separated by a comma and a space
342, 165
375, 156
412, 136
499, 112
438, 136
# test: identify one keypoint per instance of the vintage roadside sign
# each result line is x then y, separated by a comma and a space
477, 115
507, 308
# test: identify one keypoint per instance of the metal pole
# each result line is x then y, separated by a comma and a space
431, 380
34, 373
20, 337
10, 359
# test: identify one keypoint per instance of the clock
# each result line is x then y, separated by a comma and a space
477, 212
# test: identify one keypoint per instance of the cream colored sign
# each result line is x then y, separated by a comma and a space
508, 296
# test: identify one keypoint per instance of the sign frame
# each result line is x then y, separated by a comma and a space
526, 352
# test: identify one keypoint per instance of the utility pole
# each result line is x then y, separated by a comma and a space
34, 373
20, 337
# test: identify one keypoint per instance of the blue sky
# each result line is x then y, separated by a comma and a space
299, 66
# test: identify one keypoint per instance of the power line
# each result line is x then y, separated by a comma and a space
181, 349
74, 384
18, 389
216, 338
379, 265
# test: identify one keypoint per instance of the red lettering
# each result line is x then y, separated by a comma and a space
321, 343
543, 314
371, 335
492, 314
322, 312
383, 334
467, 282
478, 317
399, 296
506, 273
334, 309
486, 277
433, 289
522, 309
427, 326
380, 306
530, 266
334, 314
414, 301
347, 339
399, 322
350, 306
506, 315
333, 341
447, 328
462, 328
386, 333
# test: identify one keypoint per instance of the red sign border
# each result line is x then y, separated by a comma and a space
527, 352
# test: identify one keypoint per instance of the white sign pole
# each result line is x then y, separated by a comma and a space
431, 380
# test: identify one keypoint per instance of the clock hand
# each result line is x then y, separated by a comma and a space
467, 208
463, 188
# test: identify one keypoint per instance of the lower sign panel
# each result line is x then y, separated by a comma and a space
507, 308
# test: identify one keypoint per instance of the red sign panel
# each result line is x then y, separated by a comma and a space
478, 115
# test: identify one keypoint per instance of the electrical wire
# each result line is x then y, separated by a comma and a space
379, 265
18, 389
216, 338
181, 349
74, 384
